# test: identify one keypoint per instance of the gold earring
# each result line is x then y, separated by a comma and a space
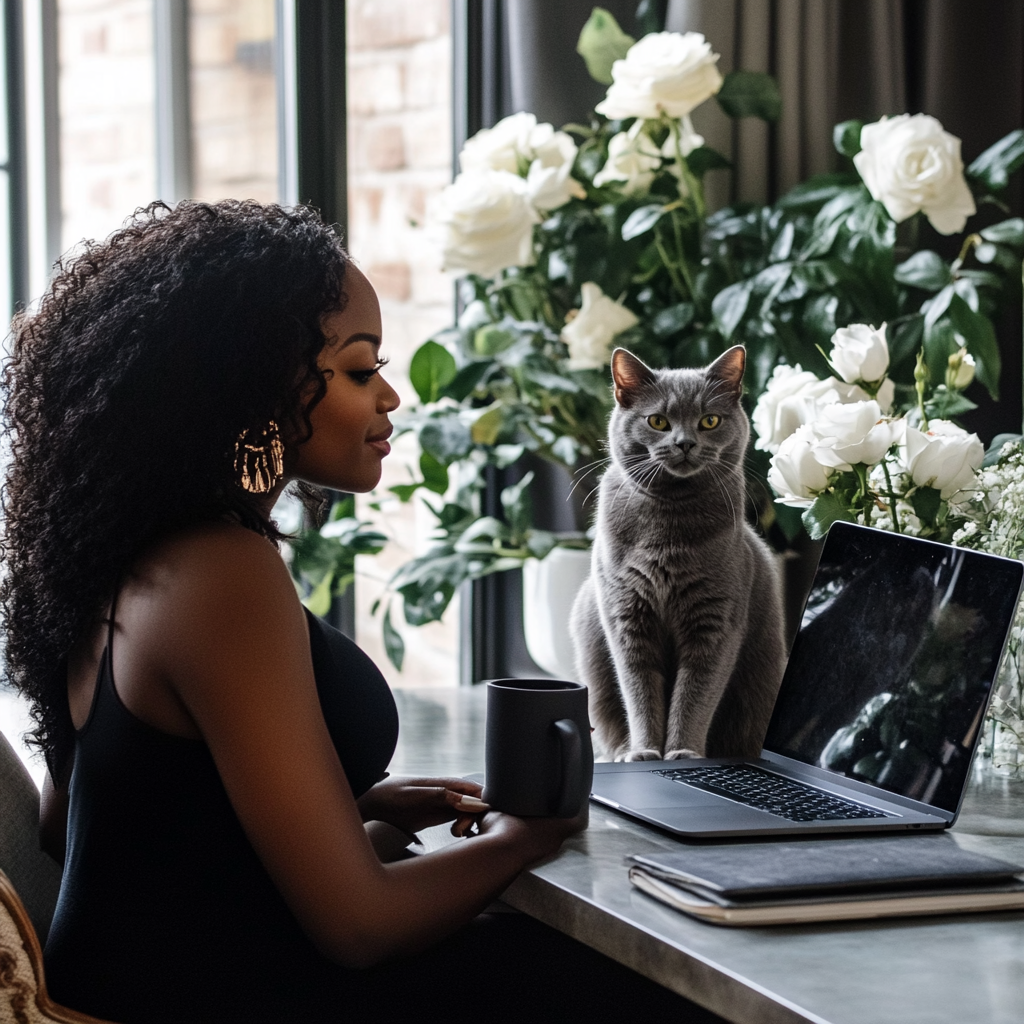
259, 459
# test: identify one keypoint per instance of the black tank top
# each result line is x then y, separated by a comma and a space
165, 912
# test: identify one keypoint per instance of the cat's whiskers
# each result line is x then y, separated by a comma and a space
720, 476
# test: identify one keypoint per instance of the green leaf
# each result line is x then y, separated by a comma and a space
729, 305
642, 220
672, 319
980, 338
515, 500
463, 384
940, 343
703, 159
926, 501
490, 339
994, 167
487, 427
319, 600
435, 475
540, 542
394, 645
944, 404
447, 438
1009, 232
826, 510
650, 16
750, 94
601, 44
405, 491
995, 449
925, 269
432, 367
846, 137
817, 191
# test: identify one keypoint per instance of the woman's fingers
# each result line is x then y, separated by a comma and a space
463, 802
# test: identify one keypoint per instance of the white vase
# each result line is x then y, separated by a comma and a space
550, 586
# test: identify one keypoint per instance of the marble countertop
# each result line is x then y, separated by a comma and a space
967, 969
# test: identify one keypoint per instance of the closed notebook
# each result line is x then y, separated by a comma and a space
828, 879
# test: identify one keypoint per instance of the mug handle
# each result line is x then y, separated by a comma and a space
571, 750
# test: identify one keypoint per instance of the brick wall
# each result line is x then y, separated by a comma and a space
106, 95
233, 99
399, 79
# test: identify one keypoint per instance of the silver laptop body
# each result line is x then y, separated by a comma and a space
879, 713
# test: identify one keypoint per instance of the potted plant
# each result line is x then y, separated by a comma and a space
569, 242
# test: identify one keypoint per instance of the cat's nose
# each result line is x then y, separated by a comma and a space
684, 446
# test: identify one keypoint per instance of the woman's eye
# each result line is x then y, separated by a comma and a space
658, 422
710, 421
365, 376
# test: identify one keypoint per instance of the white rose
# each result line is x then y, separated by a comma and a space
909, 163
632, 159
854, 433
789, 400
591, 332
484, 221
549, 180
793, 397
664, 73
946, 457
508, 146
795, 474
859, 352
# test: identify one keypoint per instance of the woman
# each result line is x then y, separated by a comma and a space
215, 749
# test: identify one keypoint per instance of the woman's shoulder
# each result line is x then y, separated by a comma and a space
213, 586
218, 559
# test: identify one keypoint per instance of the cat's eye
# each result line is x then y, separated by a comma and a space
710, 421
658, 422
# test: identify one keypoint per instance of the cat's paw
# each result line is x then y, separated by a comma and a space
681, 754
646, 754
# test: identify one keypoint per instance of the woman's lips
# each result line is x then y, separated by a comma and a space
380, 442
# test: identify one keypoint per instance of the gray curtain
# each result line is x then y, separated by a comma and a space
837, 59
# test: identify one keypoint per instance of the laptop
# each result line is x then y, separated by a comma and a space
880, 710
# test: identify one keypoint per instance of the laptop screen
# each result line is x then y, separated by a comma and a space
889, 676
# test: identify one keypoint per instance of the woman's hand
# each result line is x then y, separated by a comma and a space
414, 804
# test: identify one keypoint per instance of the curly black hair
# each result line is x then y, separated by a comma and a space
127, 390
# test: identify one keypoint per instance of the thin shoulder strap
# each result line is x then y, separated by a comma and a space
113, 618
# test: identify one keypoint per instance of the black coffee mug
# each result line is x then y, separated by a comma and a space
538, 754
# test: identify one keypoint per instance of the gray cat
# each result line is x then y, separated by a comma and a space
678, 630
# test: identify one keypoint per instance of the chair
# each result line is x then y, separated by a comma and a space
34, 874
23, 998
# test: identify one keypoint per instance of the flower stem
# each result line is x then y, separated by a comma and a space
684, 268
694, 187
670, 266
892, 496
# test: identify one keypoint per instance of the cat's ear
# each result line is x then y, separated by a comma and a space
630, 374
728, 368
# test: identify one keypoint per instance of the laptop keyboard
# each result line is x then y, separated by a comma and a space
769, 792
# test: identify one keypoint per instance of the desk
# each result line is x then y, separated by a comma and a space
963, 969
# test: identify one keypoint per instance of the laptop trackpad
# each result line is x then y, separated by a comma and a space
646, 791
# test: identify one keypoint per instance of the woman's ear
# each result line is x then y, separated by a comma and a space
728, 368
630, 374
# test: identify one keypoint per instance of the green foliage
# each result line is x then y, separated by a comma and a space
750, 94
323, 561
846, 137
827, 509
992, 169
602, 43
432, 369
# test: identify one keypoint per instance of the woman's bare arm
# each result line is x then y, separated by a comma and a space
216, 621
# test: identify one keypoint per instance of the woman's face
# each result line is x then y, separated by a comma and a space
350, 424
